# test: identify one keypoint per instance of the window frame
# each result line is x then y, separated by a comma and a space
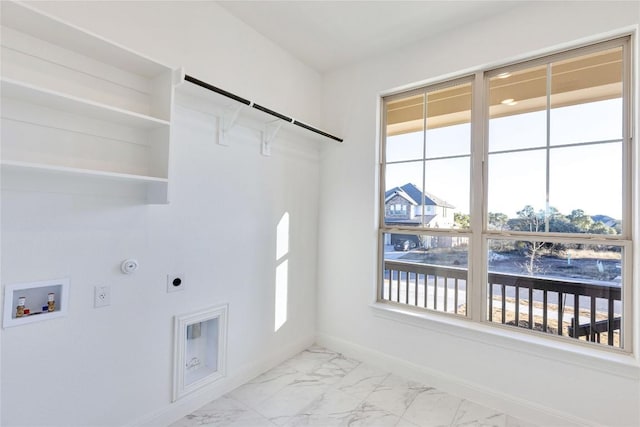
423, 90
479, 232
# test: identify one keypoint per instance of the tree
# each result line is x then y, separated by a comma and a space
461, 220
559, 223
617, 227
601, 228
539, 221
498, 221
580, 220
530, 220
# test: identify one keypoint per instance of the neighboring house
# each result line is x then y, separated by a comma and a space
409, 206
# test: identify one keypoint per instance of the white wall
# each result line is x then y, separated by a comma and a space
112, 366
209, 43
501, 369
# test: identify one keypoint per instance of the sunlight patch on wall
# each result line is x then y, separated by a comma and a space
282, 237
282, 271
281, 294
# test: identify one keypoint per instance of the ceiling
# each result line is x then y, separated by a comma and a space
327, 35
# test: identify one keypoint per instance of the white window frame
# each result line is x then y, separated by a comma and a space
479, 234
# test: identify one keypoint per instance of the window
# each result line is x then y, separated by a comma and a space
427, 161
546, 237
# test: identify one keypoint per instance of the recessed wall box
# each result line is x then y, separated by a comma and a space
200, 349
34, 297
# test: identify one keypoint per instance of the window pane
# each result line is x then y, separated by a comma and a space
447, 193
595, 121
405, 125
516, 180
448, 141
407, 146
399, 174
448, 115
448, 121
517, 105
546, 286
586, 186
426, 271
402, 181
586, 98
506, 133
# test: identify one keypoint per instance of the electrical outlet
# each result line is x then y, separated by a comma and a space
102, 296
175, 282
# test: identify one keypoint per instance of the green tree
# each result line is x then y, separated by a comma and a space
461, 220
498, 221
528, 220
580, 220
618, 227
559, 223
601, 228
539, 221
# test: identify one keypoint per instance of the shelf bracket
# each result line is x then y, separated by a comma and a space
226, 123
271, 129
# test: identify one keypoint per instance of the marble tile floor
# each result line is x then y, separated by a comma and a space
322, 388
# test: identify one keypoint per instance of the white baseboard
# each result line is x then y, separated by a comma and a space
176, 410
480, 394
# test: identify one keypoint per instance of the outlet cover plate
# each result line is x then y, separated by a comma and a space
102, 296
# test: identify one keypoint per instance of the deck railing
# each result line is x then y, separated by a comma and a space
444, 285
551, 305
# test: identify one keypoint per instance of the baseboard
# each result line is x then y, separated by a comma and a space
176, 410
514, 406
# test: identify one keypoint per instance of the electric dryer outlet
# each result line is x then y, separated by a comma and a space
175, 282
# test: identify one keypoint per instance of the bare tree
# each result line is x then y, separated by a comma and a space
530, 220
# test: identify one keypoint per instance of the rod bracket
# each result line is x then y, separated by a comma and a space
269, 133
226, 121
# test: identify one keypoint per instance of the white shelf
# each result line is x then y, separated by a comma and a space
78, 172
71, 104
38, 24
81, 111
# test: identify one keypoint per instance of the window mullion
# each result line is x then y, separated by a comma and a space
548, 157
424, 155
477, 257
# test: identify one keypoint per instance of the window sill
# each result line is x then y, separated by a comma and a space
608, 361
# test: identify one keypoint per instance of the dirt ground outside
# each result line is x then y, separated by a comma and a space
604, 266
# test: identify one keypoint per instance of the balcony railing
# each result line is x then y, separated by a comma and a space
551, 305
425, 285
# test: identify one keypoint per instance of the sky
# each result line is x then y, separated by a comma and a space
587, 177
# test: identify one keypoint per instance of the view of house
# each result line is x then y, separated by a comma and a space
409, 206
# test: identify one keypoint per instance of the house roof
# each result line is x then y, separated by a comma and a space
414, 195
398, 191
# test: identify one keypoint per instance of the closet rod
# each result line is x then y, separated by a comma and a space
266, 110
